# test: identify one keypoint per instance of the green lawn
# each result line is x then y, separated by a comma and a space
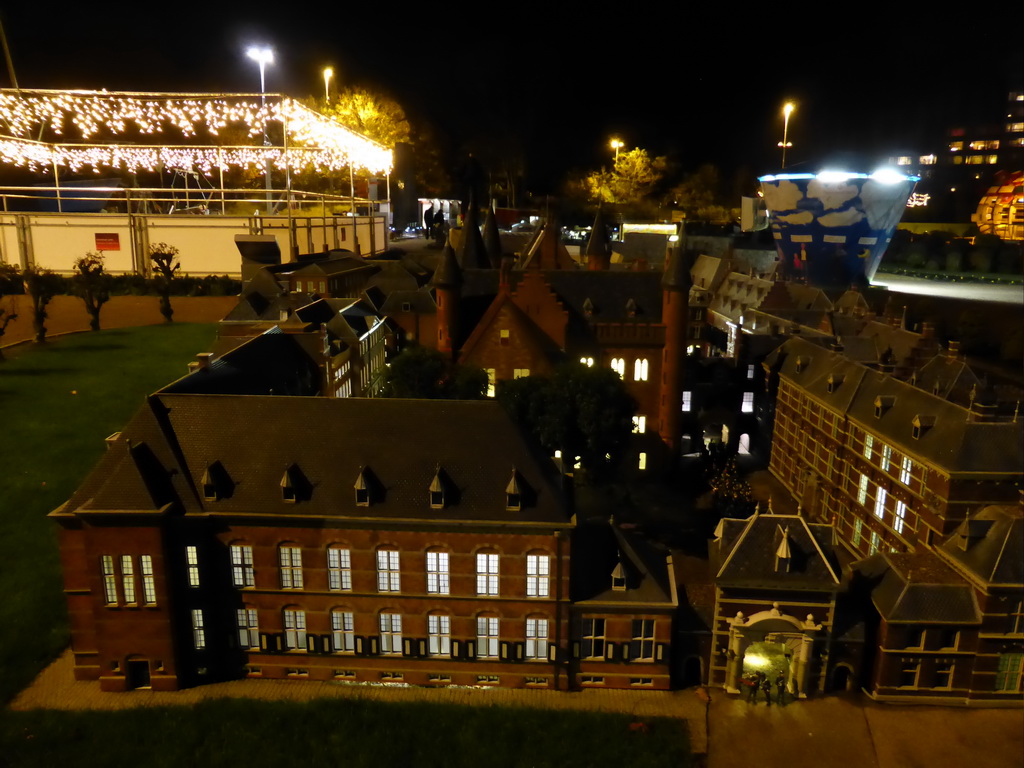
338, 732
57, 403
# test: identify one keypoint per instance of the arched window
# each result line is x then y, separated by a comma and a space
619, 366
640, 369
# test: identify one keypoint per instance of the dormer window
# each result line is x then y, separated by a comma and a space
619, 578
922, 424
883, 404
631, 308
216, 483
801, 363
834, 382
362, 489
210, 490
588, 307
288, 486
783, 555
436, 491
513, 493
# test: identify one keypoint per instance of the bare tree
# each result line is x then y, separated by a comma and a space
92, 284
9, 278
165, 262
41, 285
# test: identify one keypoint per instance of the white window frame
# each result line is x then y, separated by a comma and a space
198, 629
438, 575
520, 373
538, 575
290, 559
247, 621
390, 633
389, 575
537, 639
242, 572
439, 635
593, 638
488, 574
294, 629
687, 401
109, 579
641, 462
858, 531
339, 569
869, 442
886, 457
748, 403
487, 636
343, 631
876, 542
643, 635
906, 470
862, 490
641, 368
880, 499
128, 579
148, 583
192, 563
899, 517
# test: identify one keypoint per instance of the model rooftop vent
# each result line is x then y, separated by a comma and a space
437, 489
783, 554
882, 404
362, 489
513, 493
619, 577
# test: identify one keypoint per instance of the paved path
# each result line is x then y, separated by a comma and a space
847, 731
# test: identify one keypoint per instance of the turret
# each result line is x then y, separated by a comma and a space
598, 251
674, 310
447, 282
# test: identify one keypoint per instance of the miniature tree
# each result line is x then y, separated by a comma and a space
732, 494
41, 285
92, 284
9, 278
164, 259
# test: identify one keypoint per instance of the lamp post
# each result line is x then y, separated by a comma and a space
264, 56
616, 144
786, 143
328, 74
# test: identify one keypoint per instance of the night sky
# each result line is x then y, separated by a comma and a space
699, 88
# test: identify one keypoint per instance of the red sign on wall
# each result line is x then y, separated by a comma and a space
108, 241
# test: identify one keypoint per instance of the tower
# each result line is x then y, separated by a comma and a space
447, 283
674, 311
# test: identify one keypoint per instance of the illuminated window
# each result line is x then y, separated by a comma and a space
198, 629
641, 647
192, 561
290, 559
991, 159
639, 424
750, 372
537, 639
869, 442
487, 637
437, 573
858, 527
587, 361
439, 635
128, 578
1014, 127
148, 585
906, 469
956, 146
748, 402
242, 573
640, 368
109, 580
1009, 672
904, 160
490, 381
390, 633
927, 159
487, 574
886, 457
875, 541
687, 401
862, 490
248, 629
880, 503
899, 517
619, 366
294, 629
339, 569
538, 570
389, 577
520, 373
642, 461
343, 636
503, 337
974, 160
593, 639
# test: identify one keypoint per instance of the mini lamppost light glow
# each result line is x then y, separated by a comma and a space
328, 74
616, 144
263, 56
786, 143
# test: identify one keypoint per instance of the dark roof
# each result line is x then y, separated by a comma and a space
918, 588
990, 545
448, 273
598, 550
325, 443
752, 553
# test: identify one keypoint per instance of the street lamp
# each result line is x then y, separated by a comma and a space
786, 143
263, 56
328, 74
616, 144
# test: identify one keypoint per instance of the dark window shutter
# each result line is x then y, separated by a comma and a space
520, 651
407, 646
471, 649
278, 642
374, 646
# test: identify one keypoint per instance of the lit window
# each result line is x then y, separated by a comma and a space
487, 637
862, 490
991, 159
906, 468
927, 159
886, 457
858, 527
1009, 672
748, 402
291, 567
248, 629
593, 639
956, 146
198, 629
587, 361
750, 372
520, 373
339, 569
389, 578
538, 570
641, 462
486, 574
192, 561
294, 629
504, 337
639, 424
641, 647
128, 578
109, 580
640, 368
537, 639
343, 632
687, 401
904, 160
491, 378
974, 160
437, 573
1014, 127
148, 585
899, 517
390, 633
880, 503
869, 441
619, 366
875, 542
439, 635
242, 573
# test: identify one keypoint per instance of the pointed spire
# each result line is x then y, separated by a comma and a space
472, 251
677, 271
448, 274
599, 250
492, 240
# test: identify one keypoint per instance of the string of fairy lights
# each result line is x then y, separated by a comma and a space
313, 142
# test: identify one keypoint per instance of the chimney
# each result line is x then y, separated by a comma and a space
203, 360
927, 331
953, 352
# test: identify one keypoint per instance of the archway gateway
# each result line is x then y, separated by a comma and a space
771, 638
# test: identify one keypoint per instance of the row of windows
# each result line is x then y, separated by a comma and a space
389, 573
594, 643
121, 580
